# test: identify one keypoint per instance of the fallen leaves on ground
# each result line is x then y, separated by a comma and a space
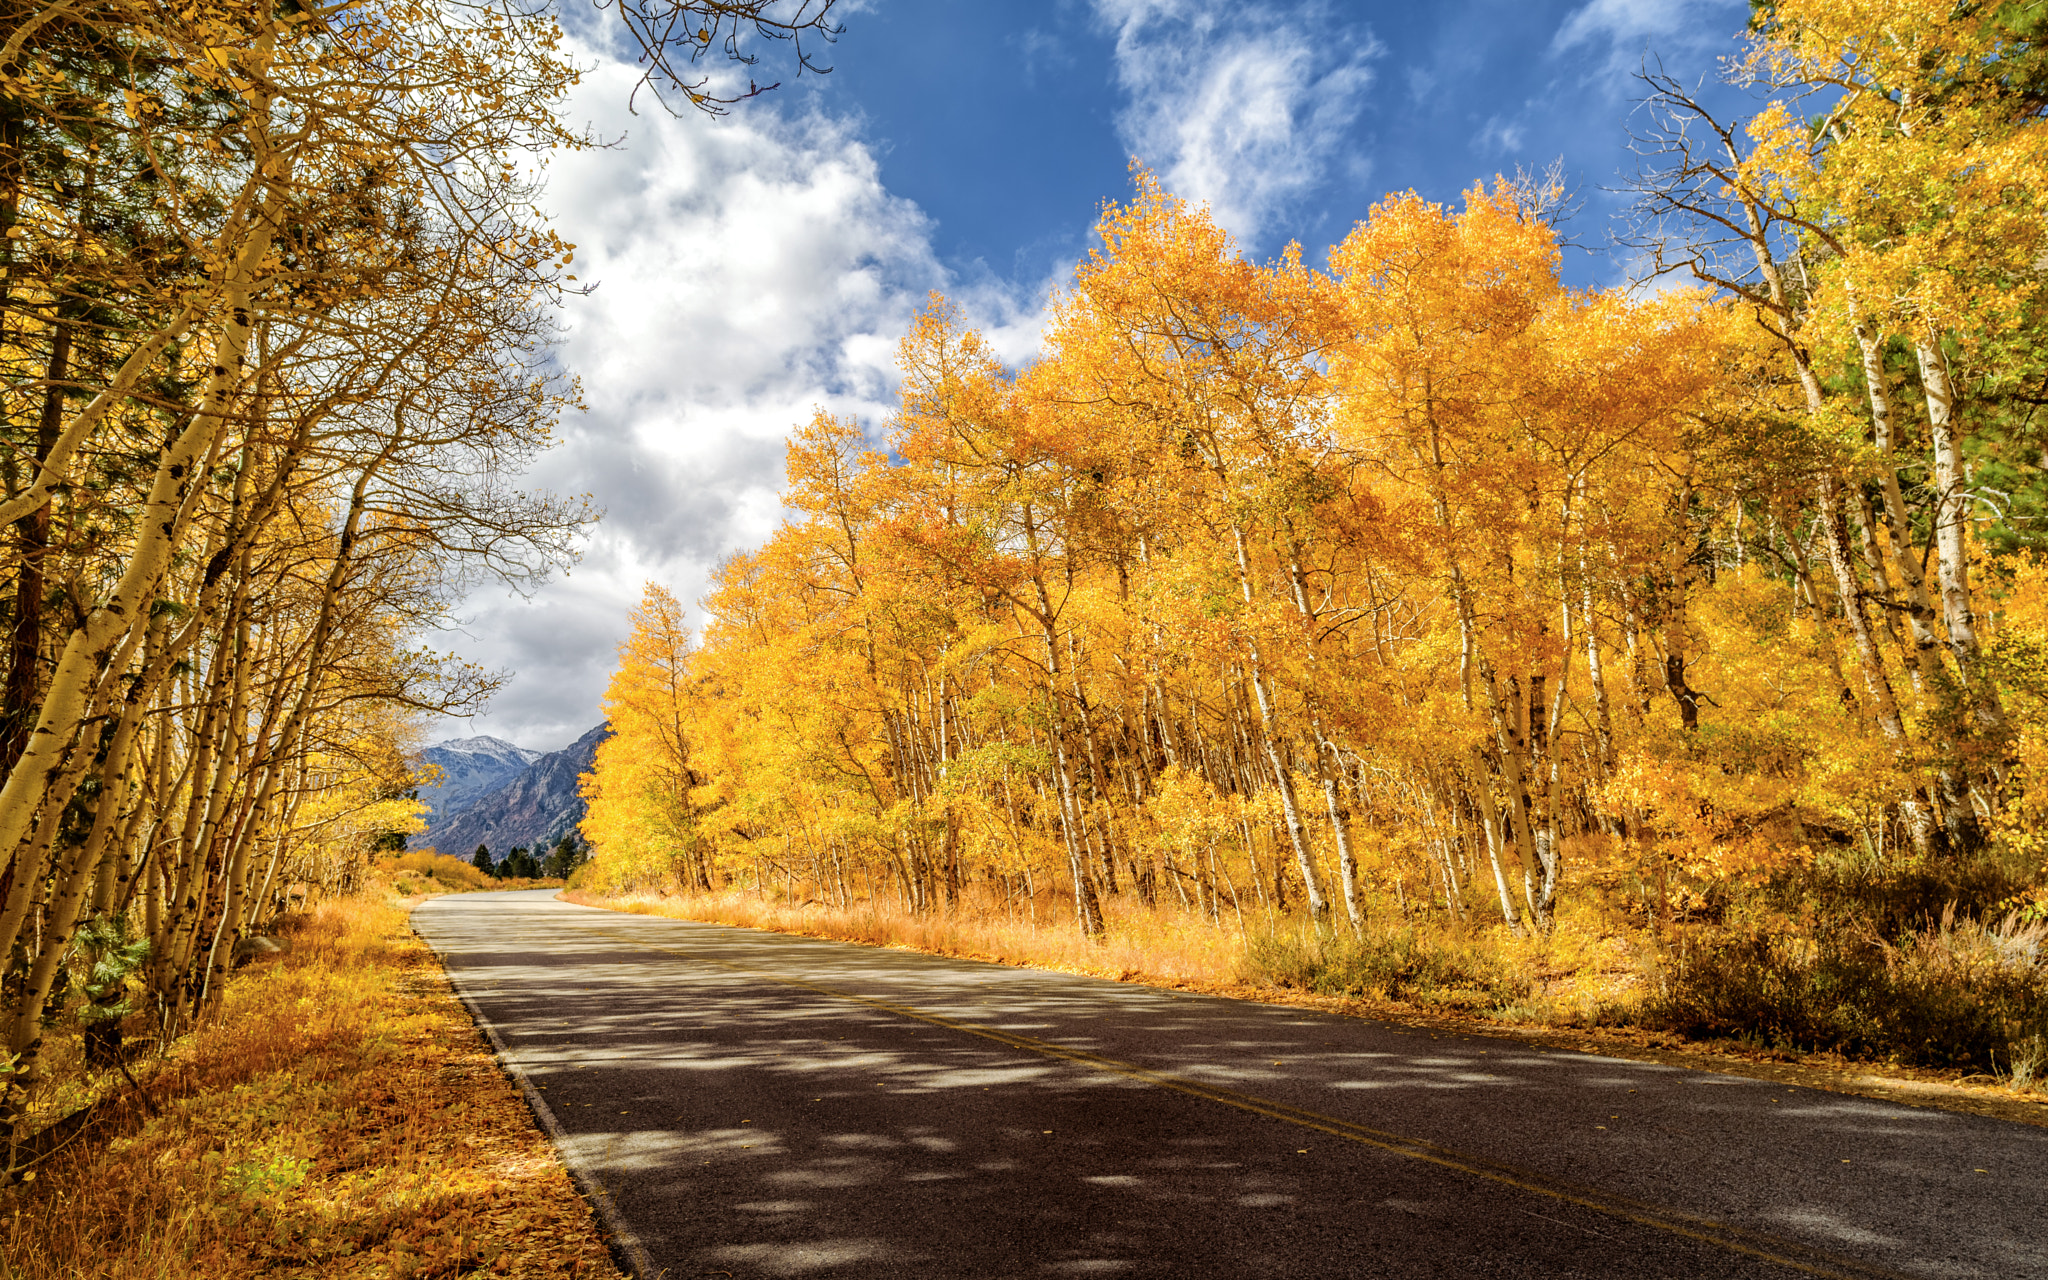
338, 1117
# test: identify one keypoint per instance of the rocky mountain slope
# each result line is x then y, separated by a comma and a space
534, 808
470, 768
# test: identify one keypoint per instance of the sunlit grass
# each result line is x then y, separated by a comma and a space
1561, 977
1151, 944
337, 1115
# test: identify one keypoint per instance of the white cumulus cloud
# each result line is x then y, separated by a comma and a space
1246, 107
744, 271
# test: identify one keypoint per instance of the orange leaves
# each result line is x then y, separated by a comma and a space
1713, 829
1254, 562
1532, 420
1421, 282
1172, 337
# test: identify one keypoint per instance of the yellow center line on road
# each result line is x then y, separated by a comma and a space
1767, 1248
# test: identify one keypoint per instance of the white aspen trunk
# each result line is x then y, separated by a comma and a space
127, 607
1836, 536
1290, 807
1952, 538
1096, 773
1833, 531
56, 468
1468, 629
24, 1031
1596, 678
1880, 576
32, 863
1920, 656
1951, 511
1552, 848
224, 739
1326, 753
112, 799
244, 246
1347, 871
1490, 816
1087, 909
1510, 740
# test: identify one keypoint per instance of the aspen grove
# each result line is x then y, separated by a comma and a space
1424, 592
275, 307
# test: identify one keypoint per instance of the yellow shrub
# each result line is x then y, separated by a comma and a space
451, 873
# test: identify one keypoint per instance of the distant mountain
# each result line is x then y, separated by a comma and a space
470, 767
533, 809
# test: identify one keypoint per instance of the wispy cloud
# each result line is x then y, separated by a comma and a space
1040, 51
1501, 136
1617, 34
1246, 107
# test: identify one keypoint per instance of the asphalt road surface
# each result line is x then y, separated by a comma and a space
752, 1104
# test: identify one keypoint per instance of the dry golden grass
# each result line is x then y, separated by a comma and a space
427, 864
337, 1116
1576, 968
1163, 946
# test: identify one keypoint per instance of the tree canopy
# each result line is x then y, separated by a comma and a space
1426, 581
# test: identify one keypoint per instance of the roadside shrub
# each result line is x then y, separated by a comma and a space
1958, 993
447, 873
1446, 969
1893, 898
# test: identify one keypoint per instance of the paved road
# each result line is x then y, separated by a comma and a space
759, 1105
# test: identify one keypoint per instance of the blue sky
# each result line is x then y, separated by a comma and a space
1008, 121
750, 268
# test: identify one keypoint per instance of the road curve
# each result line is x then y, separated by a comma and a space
753, 1104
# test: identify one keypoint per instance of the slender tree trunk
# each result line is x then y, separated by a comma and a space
1952, 540
24, 658
1283, 780
1489, 814
1327, 770
1509, 718
1596, 677
159, 532
1835, 535
1921, 654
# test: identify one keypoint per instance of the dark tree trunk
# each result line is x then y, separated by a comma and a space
24, 647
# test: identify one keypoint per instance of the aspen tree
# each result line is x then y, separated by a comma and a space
640, 791
1741, 220
1210, 350
347, 262
1243, 533
1924, 184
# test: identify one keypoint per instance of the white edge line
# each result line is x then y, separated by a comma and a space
622, 1238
